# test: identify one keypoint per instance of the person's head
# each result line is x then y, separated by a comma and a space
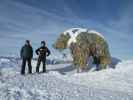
27, 42
43, 43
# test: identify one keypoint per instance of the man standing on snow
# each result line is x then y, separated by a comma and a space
42, 52
26, 54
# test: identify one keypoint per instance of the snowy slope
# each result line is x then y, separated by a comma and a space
110, 84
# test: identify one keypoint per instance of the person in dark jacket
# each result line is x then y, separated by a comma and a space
42, 52
26, 56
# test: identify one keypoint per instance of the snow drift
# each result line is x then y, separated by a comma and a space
109, 84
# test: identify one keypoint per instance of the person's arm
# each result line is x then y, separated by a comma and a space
21, 52
37, 51
31, 52
48, 52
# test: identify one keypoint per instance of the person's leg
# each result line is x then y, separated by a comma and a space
38, 65
23, 67
29, 66
44, 65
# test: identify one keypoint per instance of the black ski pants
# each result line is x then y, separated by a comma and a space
28, 60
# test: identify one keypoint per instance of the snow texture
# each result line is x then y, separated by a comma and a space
74, 32
62, 83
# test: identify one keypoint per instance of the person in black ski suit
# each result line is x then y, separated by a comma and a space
26, 54
42, 52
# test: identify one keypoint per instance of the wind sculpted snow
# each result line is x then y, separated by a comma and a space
110, 84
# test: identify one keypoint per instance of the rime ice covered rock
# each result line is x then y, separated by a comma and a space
81, 41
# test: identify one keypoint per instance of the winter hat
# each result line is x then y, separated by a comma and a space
27, 41
43, 42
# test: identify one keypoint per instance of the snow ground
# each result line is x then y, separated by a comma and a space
62, 83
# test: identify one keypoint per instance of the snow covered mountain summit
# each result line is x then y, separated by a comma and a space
110, 84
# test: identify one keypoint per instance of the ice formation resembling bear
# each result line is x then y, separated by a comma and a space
80, 41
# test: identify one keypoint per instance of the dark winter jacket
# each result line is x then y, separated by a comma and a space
26, 51
43, 52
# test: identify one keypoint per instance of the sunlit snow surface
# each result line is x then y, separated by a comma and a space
62, 83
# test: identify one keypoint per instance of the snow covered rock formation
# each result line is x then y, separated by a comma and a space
81, 42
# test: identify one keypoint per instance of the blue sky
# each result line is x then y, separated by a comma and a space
45, 19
